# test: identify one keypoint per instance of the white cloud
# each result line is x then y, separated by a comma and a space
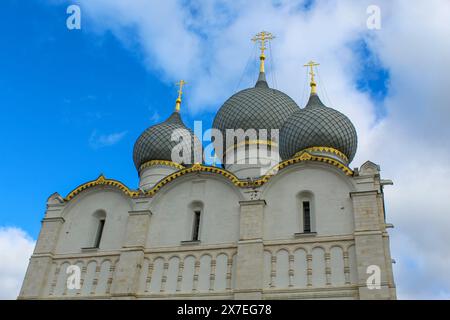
97, 141
207, 43
412, 144
16, 247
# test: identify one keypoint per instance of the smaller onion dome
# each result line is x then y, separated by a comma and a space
156, 142
318, 126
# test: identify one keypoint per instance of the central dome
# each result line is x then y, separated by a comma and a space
255, 108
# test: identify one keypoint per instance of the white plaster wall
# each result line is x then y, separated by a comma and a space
48, 285
102, 284
172, 274
332, 214
61, 279
156, 276
300, 269
267, 268
353, 265
337, 266
80, 226
144, 275
220, 283
282, 269
87, 288
318, 267
172, 216
187, 283
204, 273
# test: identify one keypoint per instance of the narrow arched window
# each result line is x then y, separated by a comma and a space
306, 214
100, 219
98, 236
196, 216
196, 225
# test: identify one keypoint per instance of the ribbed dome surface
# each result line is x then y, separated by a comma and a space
155, 143
255, 108
317, 126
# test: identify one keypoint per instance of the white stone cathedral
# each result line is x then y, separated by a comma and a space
304, 227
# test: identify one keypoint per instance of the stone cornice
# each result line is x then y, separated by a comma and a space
54, 219
364, 193
140, 213
252, 202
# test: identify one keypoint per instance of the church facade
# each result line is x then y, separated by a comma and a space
292, 222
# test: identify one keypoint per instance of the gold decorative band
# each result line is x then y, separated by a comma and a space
161, 163
105, 182
324, 149
300, 157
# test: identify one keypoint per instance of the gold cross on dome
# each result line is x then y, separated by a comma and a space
263, 37
180, 84
313, 85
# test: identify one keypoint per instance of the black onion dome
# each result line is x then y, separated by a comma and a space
317, 126
156, 143
256, 108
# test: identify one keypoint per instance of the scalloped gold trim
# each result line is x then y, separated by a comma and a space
324, 149
304, 156
161, 162
300, 157
99, 182
197, 168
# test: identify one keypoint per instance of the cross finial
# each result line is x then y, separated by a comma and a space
313, 84
181, 83
263, 37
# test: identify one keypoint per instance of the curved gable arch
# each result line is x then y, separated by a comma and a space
79, 198
102, 181
299, 166
186, 178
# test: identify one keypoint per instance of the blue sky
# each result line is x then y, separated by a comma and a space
60, 89
74, 102
64, 89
